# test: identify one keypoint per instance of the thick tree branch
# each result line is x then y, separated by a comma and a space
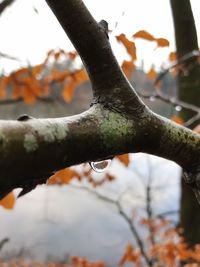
90, 39
5, 4
118, 122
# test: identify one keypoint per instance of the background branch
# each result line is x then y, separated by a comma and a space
5, 4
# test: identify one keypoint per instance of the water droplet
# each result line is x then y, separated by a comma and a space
100, 166
152, 98
178, 108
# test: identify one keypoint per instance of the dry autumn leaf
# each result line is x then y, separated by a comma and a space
152, 74
129, 45
4, 81
162, 42
177, 120
68, 90
8, 202
63, 176
128, 67
72, 55
124, 159
144, 35
172, 56
71, 84
29, 96
131, 255
80, 76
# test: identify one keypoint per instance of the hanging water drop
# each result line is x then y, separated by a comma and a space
100, 166
178, 108
152, 98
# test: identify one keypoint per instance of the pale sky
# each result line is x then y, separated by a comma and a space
28, 35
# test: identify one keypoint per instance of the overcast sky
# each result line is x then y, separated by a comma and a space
29, 35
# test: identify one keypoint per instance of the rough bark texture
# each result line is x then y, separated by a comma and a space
118, 121
188, 91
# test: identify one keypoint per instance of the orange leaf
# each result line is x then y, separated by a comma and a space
129, 45
29, 96
58, 76
144, 35
162, 42
63, 176
172, 56
152, 73
177, 120
130, 255
124, 159
20, 72
4, 82
57, 55
80, 76
8, 202
37, 69
17, 91
72, 55
128, 67
68, 91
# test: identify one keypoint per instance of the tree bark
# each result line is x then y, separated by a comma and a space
5, 4
188, 91
118, 121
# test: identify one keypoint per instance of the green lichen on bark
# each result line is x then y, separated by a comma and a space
50, 132
116, 129
30, 142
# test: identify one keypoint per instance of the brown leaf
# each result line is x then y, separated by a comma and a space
8, 202
124, 159
162, 42
177, 120
152, 74
128, 67
17, 91
172, 56
68, 90
29, 96
144, 35
129, 45
72, 55
63, 176
4, 82
58, 76
80, 76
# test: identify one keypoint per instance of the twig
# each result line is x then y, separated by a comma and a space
192, 120
3, 242
126, 218
135, 233
173, 101
169, 212
149, 210
187, 56
9, 57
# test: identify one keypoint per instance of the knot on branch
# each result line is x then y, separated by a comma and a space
104, 26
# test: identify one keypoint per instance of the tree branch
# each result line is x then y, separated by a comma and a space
5, 4
118, 121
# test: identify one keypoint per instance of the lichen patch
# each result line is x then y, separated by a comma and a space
30, 142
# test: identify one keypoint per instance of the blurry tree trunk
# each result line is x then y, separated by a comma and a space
4, 4
188, 91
